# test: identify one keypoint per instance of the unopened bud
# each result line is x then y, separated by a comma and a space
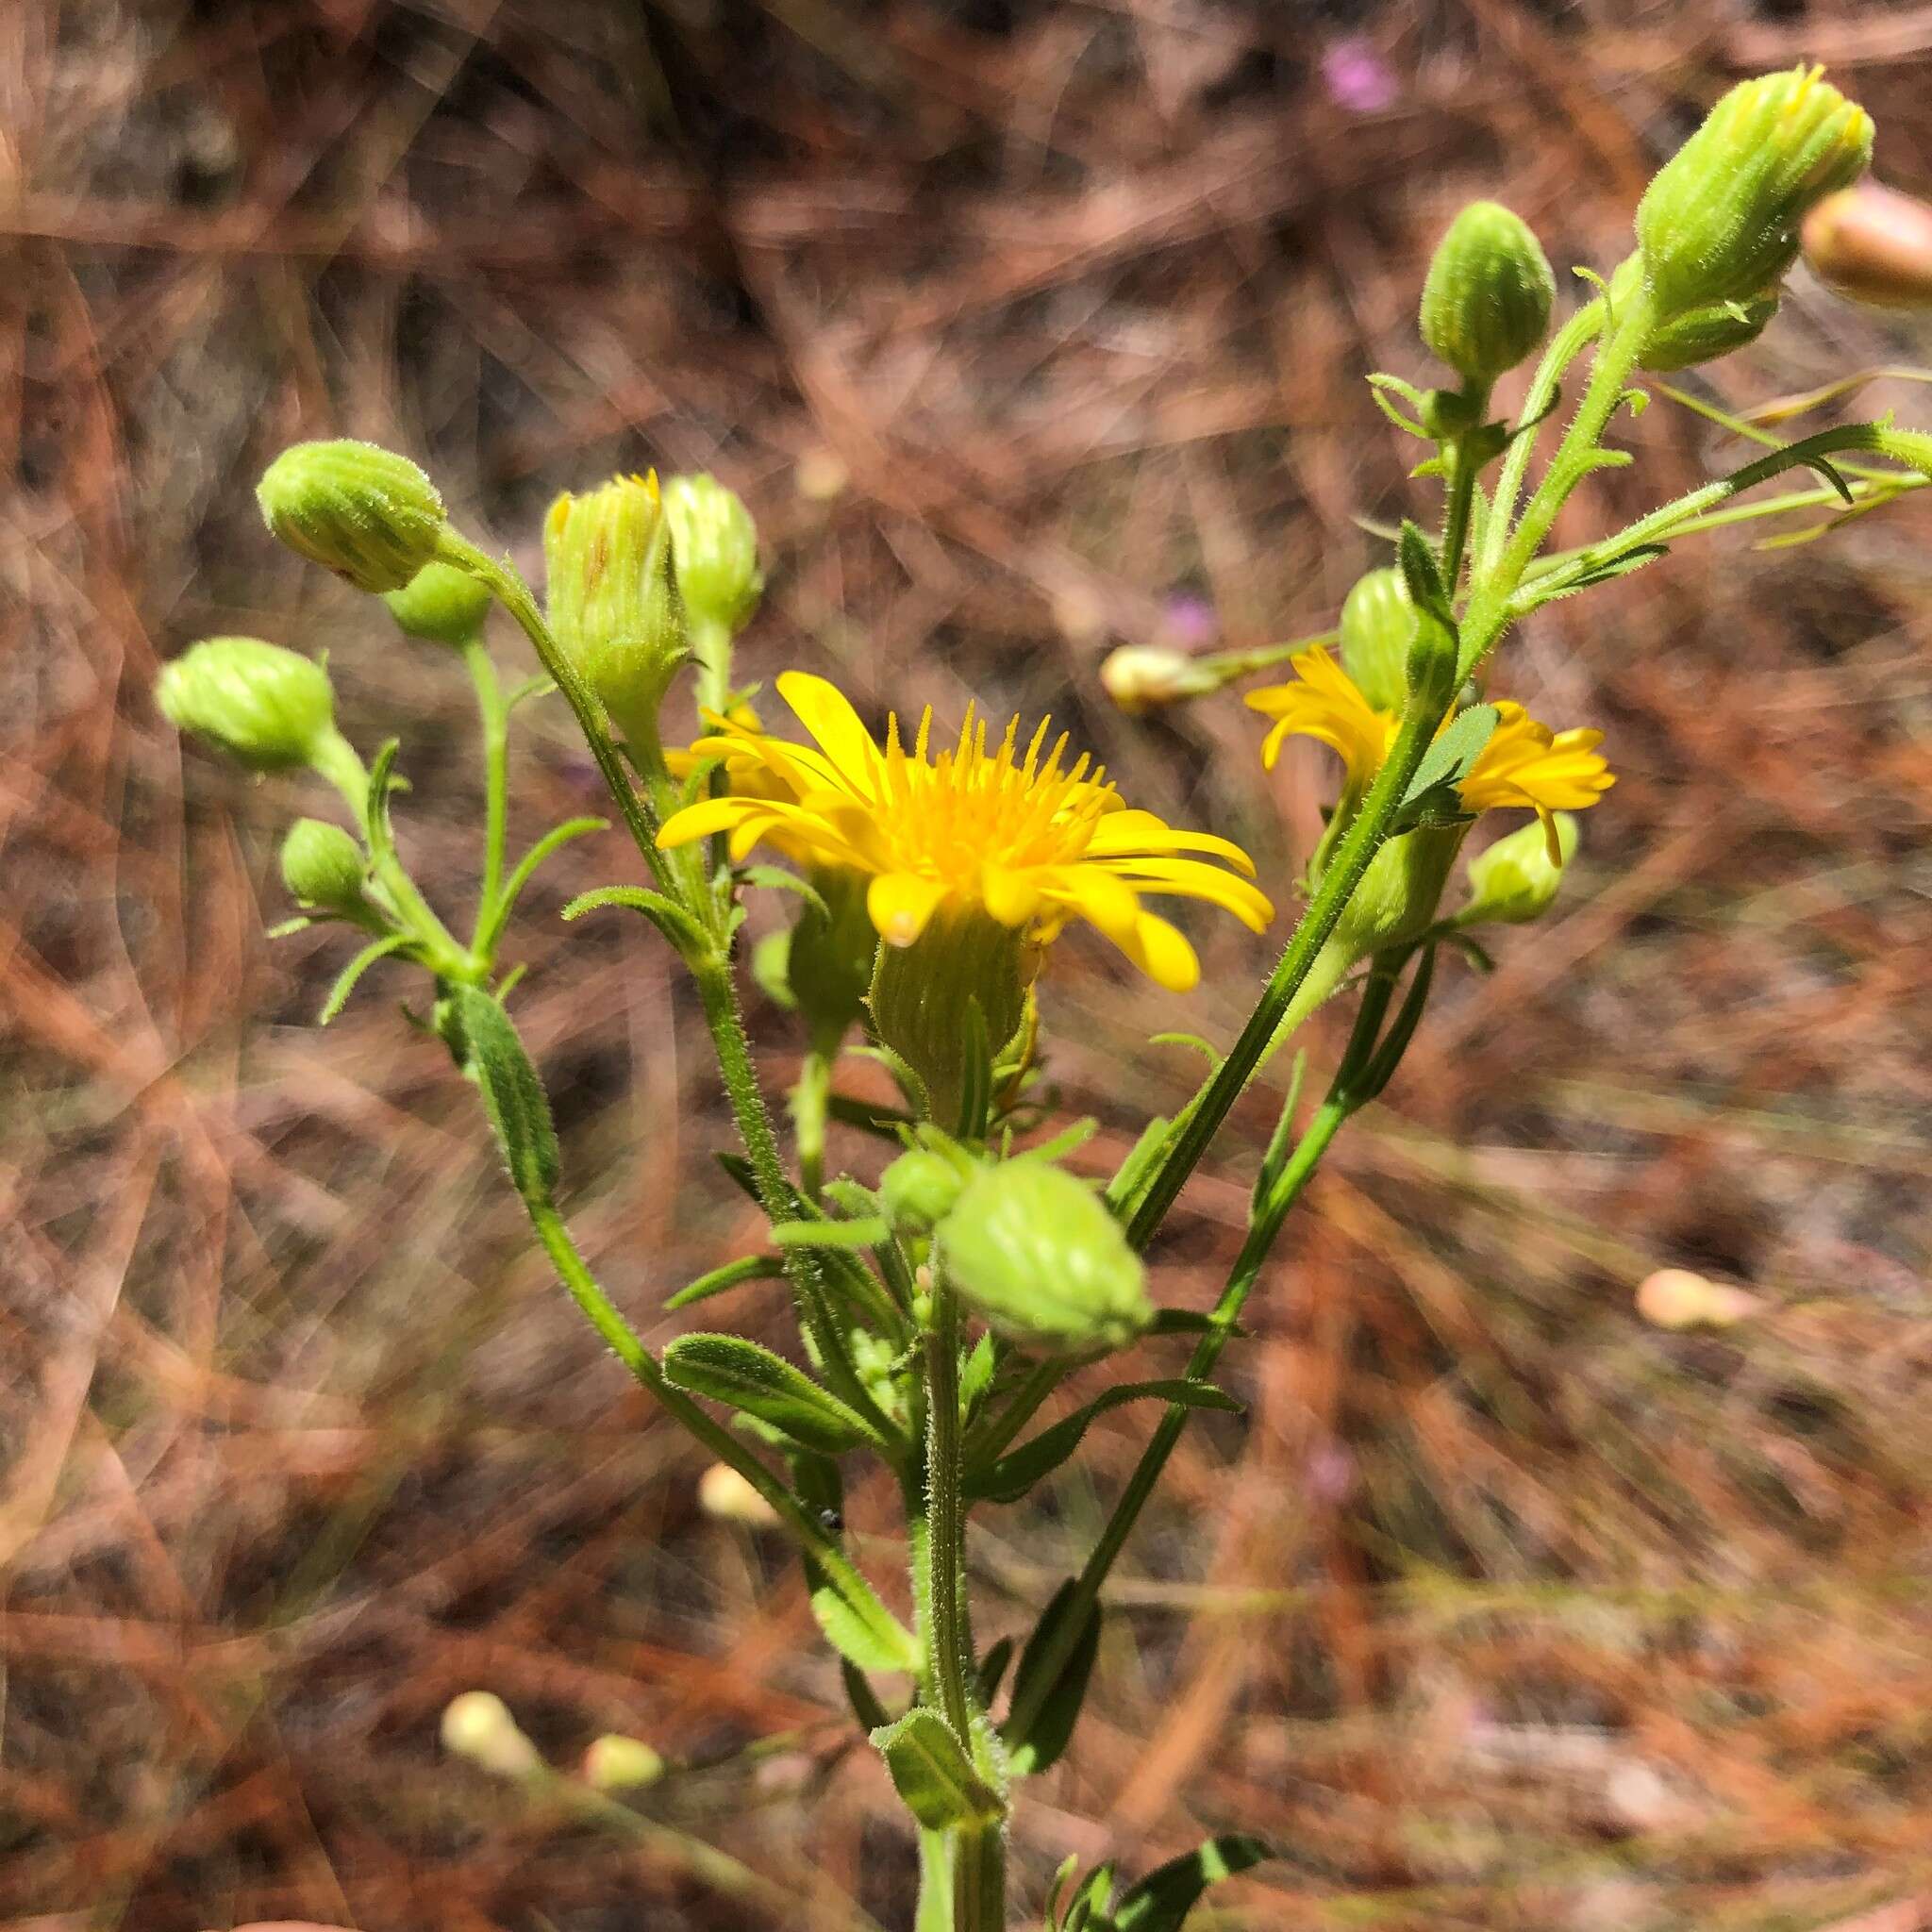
1873, 244
1675, 1298
725, 1494
1037, 1253
1143, 678
829, 959
1720, 221
1513, 881
919, 1190
609, 598
478, 1725
1377, 629
322, 866
920, 987
714, 543
268, 707
1486, 302
442, 604
356, 509
617, 1763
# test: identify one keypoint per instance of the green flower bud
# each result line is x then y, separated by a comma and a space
616, 1763
442, 604
356, 509
1486, 302
714, 543
1038, 1253
829, 965
322, 866
1378, 628
1513, 881
269, 707
610, 600
1720, 221
920, 1189
919, 992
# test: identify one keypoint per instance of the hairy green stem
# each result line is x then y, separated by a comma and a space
336, 759
1568, 343
1463, 469
509, 590
1197, 1125
495, 727
622, 1342
948, 1658
1274, 1197
1490, 611
719, 998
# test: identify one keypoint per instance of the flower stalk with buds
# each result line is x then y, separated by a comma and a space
944, 1290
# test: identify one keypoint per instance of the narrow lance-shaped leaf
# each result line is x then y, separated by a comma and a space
1059, 1707
512, 1093
731, 1370
932, 1773
1014, 1473
1165, 1897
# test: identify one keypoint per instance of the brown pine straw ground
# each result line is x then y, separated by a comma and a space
1024, 330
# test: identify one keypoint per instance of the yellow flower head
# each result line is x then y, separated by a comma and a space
1525, 766
1018, 835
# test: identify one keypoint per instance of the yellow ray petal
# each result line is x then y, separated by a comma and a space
900, 904
825, 711
1192, 879
1161, 952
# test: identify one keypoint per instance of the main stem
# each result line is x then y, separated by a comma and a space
975, 1861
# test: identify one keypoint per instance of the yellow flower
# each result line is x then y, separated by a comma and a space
1022, 837
1525, 766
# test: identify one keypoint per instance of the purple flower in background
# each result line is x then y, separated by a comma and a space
1189, 622
1358, 78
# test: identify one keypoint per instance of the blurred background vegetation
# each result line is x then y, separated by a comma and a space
1026, 327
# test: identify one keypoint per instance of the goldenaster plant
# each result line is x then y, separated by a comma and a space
943, 1293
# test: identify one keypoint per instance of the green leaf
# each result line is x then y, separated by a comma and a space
1165, 1897
375, 807
670, 918
345, 980
288, 926
732, 1275
863, 1699
975, 1082
1432, 796
1088, 1909
1014, 1473
975, 1378
857, 1632
932, 1773
992, 1667
494, 1057
1190, 1322
775, 879
844, 1234
1059, 1707
740, 1374
555, 839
